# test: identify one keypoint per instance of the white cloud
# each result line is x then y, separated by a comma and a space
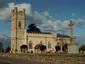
3, 36
3, 3
21, 6
55, 25
38, 18
5, 13
78, 22
45, 20
61, 25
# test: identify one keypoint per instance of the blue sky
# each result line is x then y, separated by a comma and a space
59, 10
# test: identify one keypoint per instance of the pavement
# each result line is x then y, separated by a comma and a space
5, 60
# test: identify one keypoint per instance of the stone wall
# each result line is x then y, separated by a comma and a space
51, 58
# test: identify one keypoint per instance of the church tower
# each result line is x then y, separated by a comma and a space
17, 30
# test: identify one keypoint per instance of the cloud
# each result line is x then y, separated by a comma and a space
26, 6
45, 21
31, 17
78, 22
59, 25
55, 25
38, 18
5, 13
5, 39
3, 36
3, 3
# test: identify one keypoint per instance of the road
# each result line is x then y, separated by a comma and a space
5, 60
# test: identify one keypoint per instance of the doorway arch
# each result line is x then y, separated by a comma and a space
24, 48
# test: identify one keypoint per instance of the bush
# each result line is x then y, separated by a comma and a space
1, 47
64, 47
8, 49
42, 47
82, 48
57, 48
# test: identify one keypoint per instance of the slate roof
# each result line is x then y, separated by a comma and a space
39, 32
61, 35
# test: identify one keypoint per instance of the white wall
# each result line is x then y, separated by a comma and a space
36, 38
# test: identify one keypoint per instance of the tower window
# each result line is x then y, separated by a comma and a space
19, 24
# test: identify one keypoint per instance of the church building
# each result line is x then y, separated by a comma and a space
23, 41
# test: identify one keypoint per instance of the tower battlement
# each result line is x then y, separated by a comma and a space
17, 11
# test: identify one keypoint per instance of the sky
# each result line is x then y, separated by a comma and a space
49, 15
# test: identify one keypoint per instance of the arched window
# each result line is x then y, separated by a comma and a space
30, 44
49, 44
19, 24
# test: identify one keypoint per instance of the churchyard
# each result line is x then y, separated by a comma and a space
49, 58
